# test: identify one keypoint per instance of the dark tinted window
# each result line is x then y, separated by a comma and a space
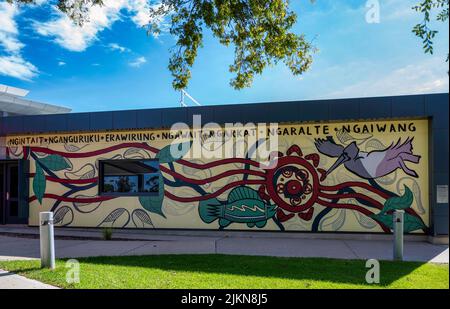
129, 177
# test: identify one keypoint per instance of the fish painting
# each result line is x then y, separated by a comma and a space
244, 205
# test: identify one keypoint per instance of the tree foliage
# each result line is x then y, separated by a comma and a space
422, 29
259, 30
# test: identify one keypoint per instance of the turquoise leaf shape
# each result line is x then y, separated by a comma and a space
39, 183
410, 223
399, 202
55, 162
153, 203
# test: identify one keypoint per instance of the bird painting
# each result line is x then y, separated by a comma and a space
369, 165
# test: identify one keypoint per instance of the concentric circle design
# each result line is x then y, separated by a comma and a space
293, 184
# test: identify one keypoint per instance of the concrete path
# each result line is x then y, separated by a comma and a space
18, 247
12, 281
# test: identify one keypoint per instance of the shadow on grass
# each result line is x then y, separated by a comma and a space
318, 269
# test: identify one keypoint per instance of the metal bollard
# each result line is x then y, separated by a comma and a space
47, 240
398, 235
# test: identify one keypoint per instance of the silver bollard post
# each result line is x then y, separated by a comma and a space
398, 235
47, 240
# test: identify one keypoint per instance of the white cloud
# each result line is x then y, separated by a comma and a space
429, 76
75, 38
8, 28
10, 43
115, 46
140, 10
136, 63
11, 61
38, 2
64, 32
16, 66
140, 13
7, 13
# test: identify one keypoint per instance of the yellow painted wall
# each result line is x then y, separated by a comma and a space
365, 135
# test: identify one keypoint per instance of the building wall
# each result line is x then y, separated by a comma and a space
231, 193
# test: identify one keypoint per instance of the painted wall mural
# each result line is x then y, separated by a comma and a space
346, 177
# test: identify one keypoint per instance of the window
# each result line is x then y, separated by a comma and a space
129, 177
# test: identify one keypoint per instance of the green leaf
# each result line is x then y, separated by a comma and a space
385, 219
171, 153
55, 162
39, 183
154, 203
399, 202
412, 223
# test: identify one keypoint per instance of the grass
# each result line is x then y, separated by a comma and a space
228, 271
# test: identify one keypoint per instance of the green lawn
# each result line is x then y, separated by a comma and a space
227, 271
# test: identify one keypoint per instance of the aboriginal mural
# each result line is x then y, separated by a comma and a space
333, 177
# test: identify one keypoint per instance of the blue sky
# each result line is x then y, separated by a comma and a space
111, 64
